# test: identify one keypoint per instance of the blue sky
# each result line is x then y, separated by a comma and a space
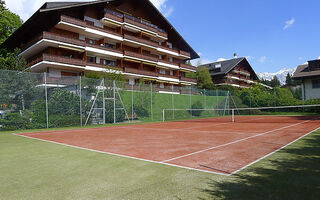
272, 34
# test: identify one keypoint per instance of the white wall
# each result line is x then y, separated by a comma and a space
310, 93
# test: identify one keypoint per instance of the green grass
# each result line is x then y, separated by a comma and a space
31, 169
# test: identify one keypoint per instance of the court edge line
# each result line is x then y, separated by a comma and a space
275, 151
233, 142
124, 156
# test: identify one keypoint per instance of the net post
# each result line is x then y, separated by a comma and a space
163, 115
232, 111
132, 102
46, 93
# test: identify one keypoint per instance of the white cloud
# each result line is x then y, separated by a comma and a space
289, 23
221, 59
319, 58
25, 8
263, 59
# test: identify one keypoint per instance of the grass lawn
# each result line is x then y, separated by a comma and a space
31, 169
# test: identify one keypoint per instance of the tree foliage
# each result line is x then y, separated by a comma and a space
12, 60
204, 78
9, 22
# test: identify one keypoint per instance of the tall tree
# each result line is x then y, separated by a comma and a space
204, 78
12, 60
275, 82
9, 22
289, 79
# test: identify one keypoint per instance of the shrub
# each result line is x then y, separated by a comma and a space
196, 105
15, 121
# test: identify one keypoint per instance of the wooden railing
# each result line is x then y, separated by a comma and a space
141, 56
140, 40
142, 72
192, 80
190, 67
58, 59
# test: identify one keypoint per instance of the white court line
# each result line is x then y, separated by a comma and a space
124, 156
242, 168
233, 142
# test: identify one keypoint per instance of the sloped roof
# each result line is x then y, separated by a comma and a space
48, 15
226, 66
303, 71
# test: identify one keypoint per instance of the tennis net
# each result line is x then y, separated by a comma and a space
280, 114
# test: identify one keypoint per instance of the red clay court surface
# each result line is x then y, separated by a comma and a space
213, 145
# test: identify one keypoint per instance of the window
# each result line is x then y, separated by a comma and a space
109, 63
161, 85
91, 59
162, 71
316, 83
170, 59
91, 41
169, 45
108, 45
171, 73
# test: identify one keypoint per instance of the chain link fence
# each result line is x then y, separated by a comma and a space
40, 100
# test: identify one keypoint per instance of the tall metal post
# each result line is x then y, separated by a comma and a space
132, 102
80, 94
217, 104
151, 101
46, 93
205, 102
114, 101
104, 103
232, 115
172, 90
190, 101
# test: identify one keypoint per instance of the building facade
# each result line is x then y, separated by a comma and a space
236, 72
120, 36
309, 75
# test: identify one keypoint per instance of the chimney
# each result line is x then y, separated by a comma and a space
235, 55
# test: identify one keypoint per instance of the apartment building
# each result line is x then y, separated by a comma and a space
309, 75
123, 36
235, 72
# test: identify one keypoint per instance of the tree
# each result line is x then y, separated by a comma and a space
204, 78
289, 79
12, 60
9, 22
275, 82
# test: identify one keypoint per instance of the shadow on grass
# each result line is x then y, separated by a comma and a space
292, 173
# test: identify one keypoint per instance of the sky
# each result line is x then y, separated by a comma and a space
271, 34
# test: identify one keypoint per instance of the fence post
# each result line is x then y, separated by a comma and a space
190, 101
132, 102
80, 94
151, 102
103, 103
232, 115
114, 101
172, 90
205, 102
163, 119
46, 93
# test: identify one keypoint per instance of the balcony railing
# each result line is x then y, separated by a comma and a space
89, 25
141, 56
58, 59
102, 47
184, 53
72, 20
189, 67
167, 89
141, 72
140, 40
168, 76
192, 80
168, 62
135, 21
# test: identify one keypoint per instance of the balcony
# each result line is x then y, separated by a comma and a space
191, 80
120, 18
102, 47
184, 53
188, 67
141, 57
168, 76
66, 80
72, 20
56, 59
140, 40
241, 72
140, 72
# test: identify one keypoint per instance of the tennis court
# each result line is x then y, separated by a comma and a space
214, 145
